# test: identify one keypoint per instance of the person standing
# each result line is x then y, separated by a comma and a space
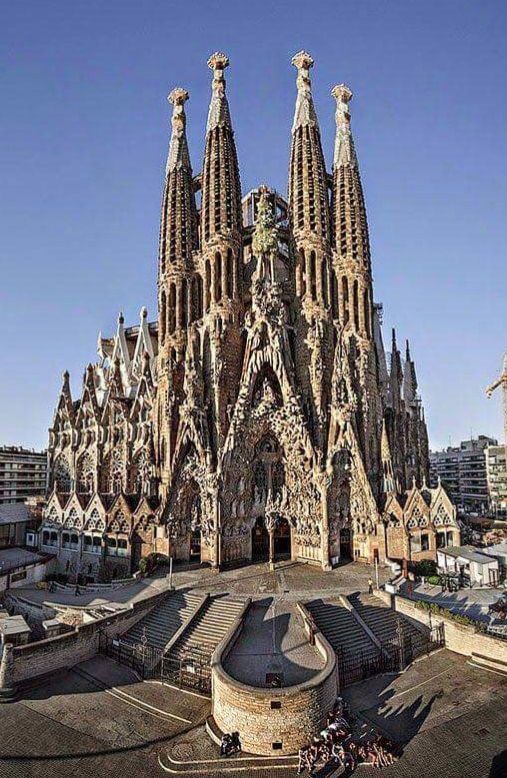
370, 585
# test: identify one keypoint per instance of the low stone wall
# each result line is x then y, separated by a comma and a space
460, 638
52, 654
272, 721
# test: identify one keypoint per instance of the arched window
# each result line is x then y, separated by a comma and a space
366, 312
172, 309
61, 475
229, 276
302, 260
345, 300
313, 276
323, 278
85, 474
356, 305
334, 296
184, 303
196, 297
208, 284
163, 314
218, 277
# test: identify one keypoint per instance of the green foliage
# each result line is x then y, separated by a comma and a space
433, 580
425, 567
437, 610
143, 565
148, 564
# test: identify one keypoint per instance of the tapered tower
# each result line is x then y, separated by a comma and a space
352, 281
350, 228
178, 290
311, 232
221, 260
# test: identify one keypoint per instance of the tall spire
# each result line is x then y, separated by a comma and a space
308, 200
221, 188
395, 374
409, 378
348, 208
178, 227
218, 113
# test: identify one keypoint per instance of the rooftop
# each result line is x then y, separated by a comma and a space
467, 552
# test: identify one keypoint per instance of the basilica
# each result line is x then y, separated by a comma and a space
259, 416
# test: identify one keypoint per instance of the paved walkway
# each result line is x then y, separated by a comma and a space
273, 641
473, 603
292, 579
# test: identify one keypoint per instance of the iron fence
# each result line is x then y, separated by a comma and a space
192, 670
392, 657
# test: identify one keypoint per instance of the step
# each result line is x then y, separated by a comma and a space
208, 629
488, 663
340, 628
381, 619
164, 620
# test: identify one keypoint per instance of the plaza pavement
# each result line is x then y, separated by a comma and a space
99, 719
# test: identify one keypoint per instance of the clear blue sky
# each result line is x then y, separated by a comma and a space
84, 128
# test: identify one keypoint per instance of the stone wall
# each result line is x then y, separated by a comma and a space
63, 651
273, 721
461, 638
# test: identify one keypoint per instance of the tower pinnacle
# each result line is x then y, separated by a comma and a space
304, 113
178, 156
344, 151
218, 114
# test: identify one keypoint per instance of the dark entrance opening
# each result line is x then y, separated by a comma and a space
136, 552
260, 541
282, 539
195, 546
345, 543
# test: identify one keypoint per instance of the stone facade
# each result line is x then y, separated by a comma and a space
258, 416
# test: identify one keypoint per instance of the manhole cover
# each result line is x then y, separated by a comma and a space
182, 751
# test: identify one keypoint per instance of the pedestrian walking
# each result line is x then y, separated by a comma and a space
370, 585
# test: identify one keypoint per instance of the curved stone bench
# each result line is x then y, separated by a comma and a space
272, 721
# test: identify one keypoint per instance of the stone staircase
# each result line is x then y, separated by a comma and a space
341, 629
164, 620
207, 629
383, 621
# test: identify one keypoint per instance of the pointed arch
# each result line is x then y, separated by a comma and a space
355, 303
163, 315
218, 277
62, 478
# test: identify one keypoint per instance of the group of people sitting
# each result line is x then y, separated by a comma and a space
336, 745
230, 744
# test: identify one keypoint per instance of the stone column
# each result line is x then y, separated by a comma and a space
324, 534
271, 532
217, 556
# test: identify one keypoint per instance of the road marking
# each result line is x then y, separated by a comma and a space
151, 707
231, 768
124, 697
177, 688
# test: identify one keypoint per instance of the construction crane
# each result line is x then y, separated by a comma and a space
501, 381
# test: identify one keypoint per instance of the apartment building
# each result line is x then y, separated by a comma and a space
23, 474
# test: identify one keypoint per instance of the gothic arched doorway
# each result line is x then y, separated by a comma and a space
260, 541
195, 545
282, 539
